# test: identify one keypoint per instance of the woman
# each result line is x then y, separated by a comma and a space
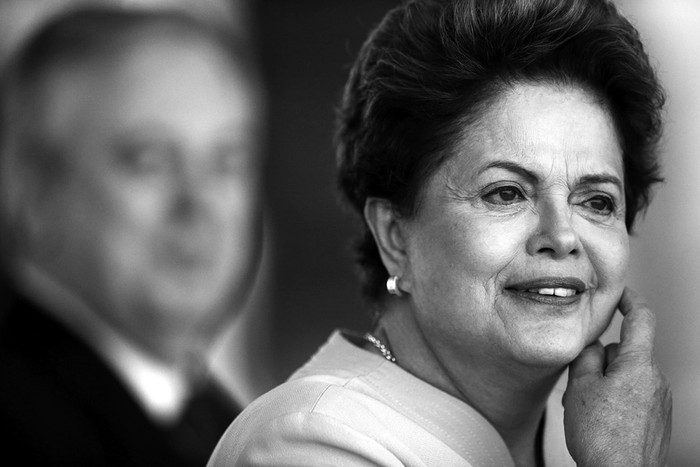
499, 153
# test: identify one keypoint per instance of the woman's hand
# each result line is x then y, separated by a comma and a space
617, 405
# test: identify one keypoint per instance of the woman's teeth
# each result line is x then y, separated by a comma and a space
559, 292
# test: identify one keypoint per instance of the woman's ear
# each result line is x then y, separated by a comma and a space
387, 229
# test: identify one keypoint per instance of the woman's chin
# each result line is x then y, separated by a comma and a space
550, 352
553, 343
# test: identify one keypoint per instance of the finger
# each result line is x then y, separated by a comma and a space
589, 362
611, 352
638, 325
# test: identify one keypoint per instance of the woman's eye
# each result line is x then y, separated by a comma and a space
601, 204
504, 195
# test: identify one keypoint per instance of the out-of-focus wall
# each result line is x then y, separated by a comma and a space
666, 249
307, 48
18, 17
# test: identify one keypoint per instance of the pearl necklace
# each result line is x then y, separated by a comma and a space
382, 348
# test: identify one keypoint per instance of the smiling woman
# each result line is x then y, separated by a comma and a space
528, 217
498, 153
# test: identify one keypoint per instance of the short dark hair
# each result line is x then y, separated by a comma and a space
431, 66
83, 36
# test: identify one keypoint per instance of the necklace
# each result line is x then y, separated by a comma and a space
382, 348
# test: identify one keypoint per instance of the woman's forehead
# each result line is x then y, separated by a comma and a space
540, 126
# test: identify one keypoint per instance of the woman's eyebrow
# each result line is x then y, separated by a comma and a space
512, 167
595, 179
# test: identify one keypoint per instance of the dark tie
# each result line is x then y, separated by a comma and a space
207, 415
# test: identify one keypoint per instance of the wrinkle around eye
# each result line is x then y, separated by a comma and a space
602, 218
456, 193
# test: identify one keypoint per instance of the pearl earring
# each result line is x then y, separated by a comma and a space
392, 286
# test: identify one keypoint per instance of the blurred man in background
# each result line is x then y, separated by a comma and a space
130, 193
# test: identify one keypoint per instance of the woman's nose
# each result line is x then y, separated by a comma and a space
555, 234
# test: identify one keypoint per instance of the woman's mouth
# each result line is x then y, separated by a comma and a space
558, 291
549, 290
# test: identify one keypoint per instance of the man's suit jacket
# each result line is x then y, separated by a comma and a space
61, 405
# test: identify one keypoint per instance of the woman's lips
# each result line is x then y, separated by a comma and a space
549, 290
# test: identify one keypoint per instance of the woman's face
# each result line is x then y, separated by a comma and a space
156, 216
519, 248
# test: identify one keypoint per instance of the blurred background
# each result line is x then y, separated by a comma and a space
307, 287
665, 249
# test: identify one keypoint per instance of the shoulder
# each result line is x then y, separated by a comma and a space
326, 413
304, 422
349, 407
340, 382
338, 417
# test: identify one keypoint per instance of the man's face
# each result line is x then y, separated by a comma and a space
154, 224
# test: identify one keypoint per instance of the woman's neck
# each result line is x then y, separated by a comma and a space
513, 398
